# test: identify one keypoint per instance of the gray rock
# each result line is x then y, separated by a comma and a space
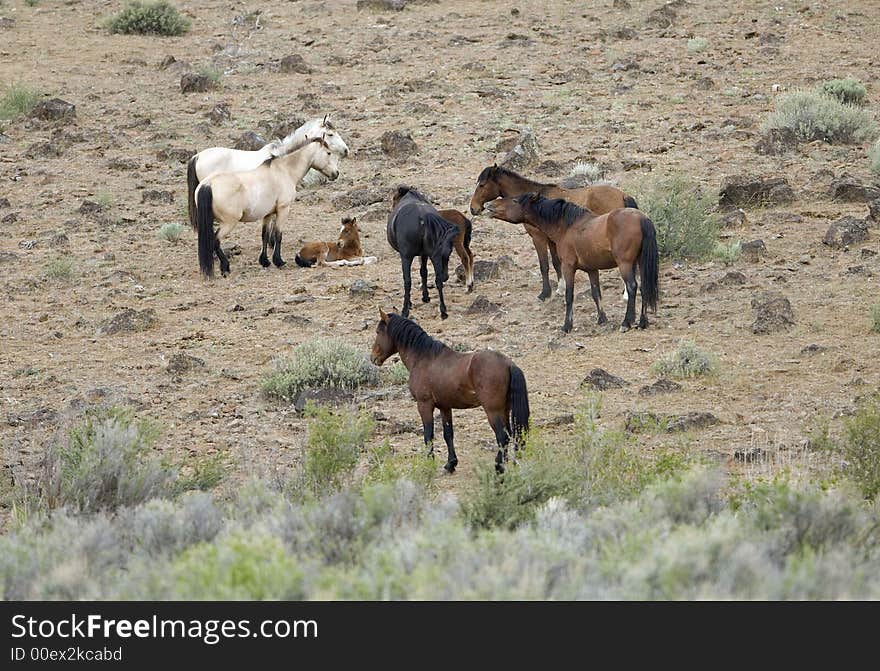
192, 82
249, 141
362, 288
690, 420
398, 144
360, 198
753, 250
322, 396
745, 191
183, 363
177, 154
846, 231
54, 110
873, 212
734, 219
773, 312
382, 5
847, 189
295, 63
153, 196
520, 151
89, 207
777, 141
482, 305
4, 202
603, 380
129, 320
6, 23
661, 386
486, 269
43, 150
219, 113
123, 164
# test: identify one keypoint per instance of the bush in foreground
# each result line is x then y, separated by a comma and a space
149, 18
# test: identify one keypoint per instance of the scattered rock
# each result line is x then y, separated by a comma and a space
859, 271
285, 127
749, 454
745, 191
123, 164
8, 257
59, 240
88, 207
398, 144
874, 212
183, 363
10, 218
603, 380
773, 312
192, 82
388, 5
733, 278
360, 198
661, 386
521, 150
249, 141
846, 231
486, 269
867, 253
33, 418
178, 154
621, 4
482, 305
362, 288
54, 110
753, 250
129, 320
43, 150
4, 202
847, 189
6, 23
777, 141
814, 349
219, 113
559, 420
734, 219
662, 17
638, 421
295, 63
690, 420
153, 196
322, 396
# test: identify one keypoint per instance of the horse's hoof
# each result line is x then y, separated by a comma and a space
444, 315
449, 467
643, 324
279, 263
426, 299
543, 296
566, 328
264, 261
499, 468
624, 328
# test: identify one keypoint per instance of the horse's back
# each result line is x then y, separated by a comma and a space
599, 199
490, 375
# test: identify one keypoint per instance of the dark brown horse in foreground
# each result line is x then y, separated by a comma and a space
442, 378
495, 182
624, 238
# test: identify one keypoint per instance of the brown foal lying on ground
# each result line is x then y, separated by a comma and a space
346, 251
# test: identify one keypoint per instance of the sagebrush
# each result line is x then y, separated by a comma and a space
810, 115
170, 232
149, 18
849, 91
18, 100
874, 157
687, 360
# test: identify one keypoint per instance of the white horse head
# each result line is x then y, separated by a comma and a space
325, 161
311, 129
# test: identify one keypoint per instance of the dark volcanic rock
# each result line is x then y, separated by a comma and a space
183, 363
661, 386
249, 141
745, 191
386, 5
129, 321
520, 151
178, 154
734, 219
845, 232
873, 212
219, 113
398, 144
482, 305
753, 250
690, 420
192, 82
773, 313
847, 189
54, 110
89, 207
486, 269
601, 379
295, 63
43, 150
322, 396
362, 288
153, 196
360, 198
777, 141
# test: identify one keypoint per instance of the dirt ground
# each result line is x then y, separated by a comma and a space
595, 82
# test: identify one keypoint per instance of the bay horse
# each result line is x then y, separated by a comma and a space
462, 244
415, 228
497, 182
222, 159
440, 377
624, 238
255, 195
346, 251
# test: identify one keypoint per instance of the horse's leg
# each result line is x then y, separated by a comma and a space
502, 437
470, 270
280, 218
557, 266
264, 259
423, 271
568, 275
451, 459
406, 265
596, 291
426, 412
539, 240
224, 230
628, 273
439, 273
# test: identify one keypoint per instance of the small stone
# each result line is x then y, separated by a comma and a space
753, 250
219, 113
184, 363
814, 349
54, 110
322, 396
773, 312
482, 305
152, 196
661, 386
129, 320
89, 207
249, 141
362, 288
398, 144
603, 380
845, 232
746, 191
734, 219
192, 82
295, 63
178, 154
520, 151
847, 189
486, 269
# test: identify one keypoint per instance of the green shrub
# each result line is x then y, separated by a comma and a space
848, 91
861, 448
204, 473
396, 374
696, 44
874, 157
875, 317
335, 442
809, 116
386, 467
60, 268
170, 232
18, 100
682, 215
149, 18
106, 462
687, 360
727, 252
319, 363
211, 73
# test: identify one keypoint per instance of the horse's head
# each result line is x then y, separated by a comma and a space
349, 233
322, 126
487, 189
325, 160
510, 209
399, 193
384, 345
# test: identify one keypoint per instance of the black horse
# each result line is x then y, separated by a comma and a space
415, 228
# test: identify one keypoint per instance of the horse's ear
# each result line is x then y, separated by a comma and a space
324, 122
533, 198
382, 316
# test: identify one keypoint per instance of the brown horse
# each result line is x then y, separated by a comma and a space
442, 378
346, 251
624, 237
495, 182
462, 243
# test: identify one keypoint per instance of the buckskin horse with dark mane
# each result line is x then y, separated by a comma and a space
442, 378
497, 182
624, 238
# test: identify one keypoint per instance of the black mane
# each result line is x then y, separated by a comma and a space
552, 209
403, 190
498, 170
406, 333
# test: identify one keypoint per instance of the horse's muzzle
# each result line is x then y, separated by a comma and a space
475, 211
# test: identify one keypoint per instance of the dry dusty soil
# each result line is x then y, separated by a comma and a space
609, 82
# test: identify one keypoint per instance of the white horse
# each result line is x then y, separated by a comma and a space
255, 195
221, 159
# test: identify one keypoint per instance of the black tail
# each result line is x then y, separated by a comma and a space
467, 233
629, 201
518, 398
205, 221
649, 265
192, 181
300, 261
